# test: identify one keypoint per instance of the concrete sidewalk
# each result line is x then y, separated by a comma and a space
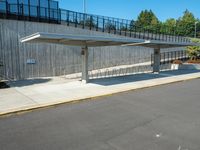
38, 93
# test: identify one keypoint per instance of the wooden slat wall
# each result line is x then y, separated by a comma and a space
55, 60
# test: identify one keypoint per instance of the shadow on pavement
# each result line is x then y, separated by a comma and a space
140, 77
27, 82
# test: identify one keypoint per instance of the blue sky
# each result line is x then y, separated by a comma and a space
129, 9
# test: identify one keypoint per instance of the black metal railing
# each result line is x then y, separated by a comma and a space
170, 57
28, 12
117, 26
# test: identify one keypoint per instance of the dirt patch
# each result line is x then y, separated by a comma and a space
3, 85
197, 61
177, 62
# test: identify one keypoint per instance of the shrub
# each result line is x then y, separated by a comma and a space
194, 51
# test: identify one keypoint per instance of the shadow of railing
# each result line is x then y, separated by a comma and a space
140, 77
116, 72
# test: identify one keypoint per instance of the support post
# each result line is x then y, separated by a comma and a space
84, 54
156, 64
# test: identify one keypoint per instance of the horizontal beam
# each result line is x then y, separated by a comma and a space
94, 41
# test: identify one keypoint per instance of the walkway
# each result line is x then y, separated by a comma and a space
31, 94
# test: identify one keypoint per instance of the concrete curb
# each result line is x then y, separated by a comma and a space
93, 97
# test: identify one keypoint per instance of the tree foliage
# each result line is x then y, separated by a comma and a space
194, 51
186, 24
183, 26
147, 18
169, 26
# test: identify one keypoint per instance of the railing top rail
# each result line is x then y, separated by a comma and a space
99, 16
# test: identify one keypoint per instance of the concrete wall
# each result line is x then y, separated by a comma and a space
55, 60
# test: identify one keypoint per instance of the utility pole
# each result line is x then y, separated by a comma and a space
175, 28
84, 6
195, 32
84, 12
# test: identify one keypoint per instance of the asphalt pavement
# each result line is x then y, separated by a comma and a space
164, 117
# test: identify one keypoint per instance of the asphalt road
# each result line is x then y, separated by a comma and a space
159, 118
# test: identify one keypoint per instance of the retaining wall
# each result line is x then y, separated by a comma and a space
56, 60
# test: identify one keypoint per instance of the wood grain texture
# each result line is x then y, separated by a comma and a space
56, 60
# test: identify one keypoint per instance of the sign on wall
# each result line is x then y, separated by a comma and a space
31, 61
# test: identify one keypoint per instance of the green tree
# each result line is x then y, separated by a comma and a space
146, 20
186, 24
169, 26
170, 22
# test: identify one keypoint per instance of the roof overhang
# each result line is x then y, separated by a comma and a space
97, 41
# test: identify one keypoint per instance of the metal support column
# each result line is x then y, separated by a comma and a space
84, 54
156, 64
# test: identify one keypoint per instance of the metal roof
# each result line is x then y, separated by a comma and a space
97, 41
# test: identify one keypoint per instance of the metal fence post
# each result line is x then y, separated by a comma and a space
126, 29
49, 10
135, 30
39, 5
7, 8
22, 7
120, 29
60, 15
67, 13
83, 21
109, 26
168, 57
37, 13
164, 58
103, 24
97, 25
76, 20
29, 9
115, 29
18, 7
45, 9
91, 22
175, 55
